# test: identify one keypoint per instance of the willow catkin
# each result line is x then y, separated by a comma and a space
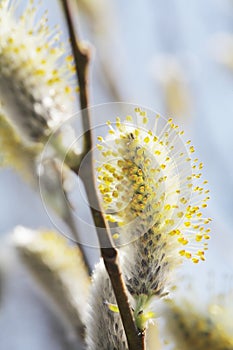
104, 327
195, 326
59, 268
16, 154
35, 76
152, 190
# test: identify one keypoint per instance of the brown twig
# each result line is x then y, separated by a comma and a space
108, 252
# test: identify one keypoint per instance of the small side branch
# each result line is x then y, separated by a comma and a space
108, 252
81, 55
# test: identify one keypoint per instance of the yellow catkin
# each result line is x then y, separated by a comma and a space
157, 206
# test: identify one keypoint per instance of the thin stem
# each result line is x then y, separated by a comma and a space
108, 251
81, 58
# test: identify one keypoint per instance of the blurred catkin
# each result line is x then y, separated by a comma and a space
35, 76
60, 270
170, 75
152, 337
194, 326
222, 49
15, 153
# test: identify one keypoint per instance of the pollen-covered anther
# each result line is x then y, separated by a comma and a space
174, 232
187, 223
182, 240
199, 237
201, 254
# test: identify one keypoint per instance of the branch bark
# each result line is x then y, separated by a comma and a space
108, 251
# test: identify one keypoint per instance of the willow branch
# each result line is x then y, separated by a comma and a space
108, 251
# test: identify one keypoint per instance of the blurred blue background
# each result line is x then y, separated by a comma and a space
170, 56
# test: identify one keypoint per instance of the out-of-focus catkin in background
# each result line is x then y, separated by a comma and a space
174, 57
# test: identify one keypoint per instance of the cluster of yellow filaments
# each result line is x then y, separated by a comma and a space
149, 181
36, 80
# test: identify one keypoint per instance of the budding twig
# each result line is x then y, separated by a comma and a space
108, 251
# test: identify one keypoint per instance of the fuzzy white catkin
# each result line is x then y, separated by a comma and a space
104, 327
35, 77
